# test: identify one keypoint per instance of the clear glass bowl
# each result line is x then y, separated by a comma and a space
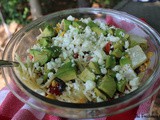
26, 37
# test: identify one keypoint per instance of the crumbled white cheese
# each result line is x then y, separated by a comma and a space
128, 72
85, 20
119, 76
116, 68
36, 65
126, 44
90, 85
103, 70
50, 65
71, 18
50, 75
113, 38
102, 24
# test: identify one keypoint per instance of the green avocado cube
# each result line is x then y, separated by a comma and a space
118, 45
44, 41
111, 73
48, 31
56, 51
99, 31
110, 61
39, 56
86, 74
79, 24
94, 67
92, 24
110, 31
125, 60
108, 85
66, 72
96, 28
99, 94
117, 53
66, 24
121, 85
119, 32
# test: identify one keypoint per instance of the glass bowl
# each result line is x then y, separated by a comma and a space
26, 37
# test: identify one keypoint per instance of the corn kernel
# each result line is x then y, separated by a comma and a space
76, 19
149, 54
62, 33
54, 83
51, 96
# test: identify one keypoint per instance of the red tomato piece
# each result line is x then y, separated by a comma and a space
107, 47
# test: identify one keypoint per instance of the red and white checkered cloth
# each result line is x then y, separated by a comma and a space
12, 108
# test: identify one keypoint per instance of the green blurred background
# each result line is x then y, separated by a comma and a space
20, 11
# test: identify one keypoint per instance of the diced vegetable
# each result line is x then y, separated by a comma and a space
66, 72
87, 75
110, 61
137, 56
108, 85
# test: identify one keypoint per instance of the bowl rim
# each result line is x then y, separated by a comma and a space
87, 105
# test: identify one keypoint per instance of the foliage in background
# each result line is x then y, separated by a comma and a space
106, 3
19, 10
16, 10
49, 6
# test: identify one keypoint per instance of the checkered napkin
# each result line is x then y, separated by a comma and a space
12, 108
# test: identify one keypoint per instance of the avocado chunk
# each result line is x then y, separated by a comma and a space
66, 72
99, 31
45, 55
108, 85
44, 41
86, 74
111, 73
92, 24
79, 24
119, 32
137, 56
100, 94
66, 24
48, 31
121, 85
110, 31
110, 61
125, 60
96, 28
118, 45
94, 67
137, 40
56, 51
40, 56
117, 53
